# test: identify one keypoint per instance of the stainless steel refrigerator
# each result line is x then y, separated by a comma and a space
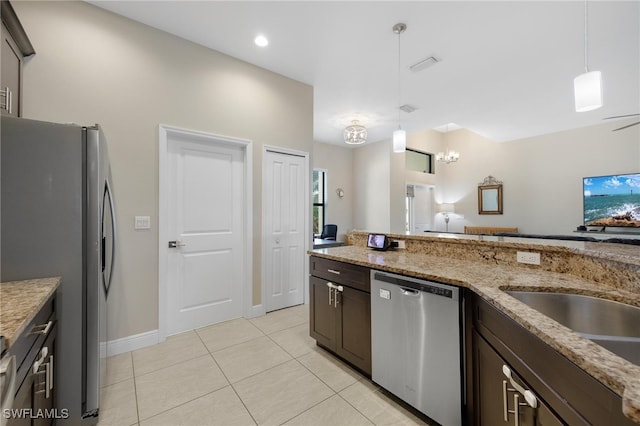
57, 219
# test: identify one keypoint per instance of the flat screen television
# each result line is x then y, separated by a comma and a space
612, 201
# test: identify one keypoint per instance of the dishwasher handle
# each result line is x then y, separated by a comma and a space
409, 292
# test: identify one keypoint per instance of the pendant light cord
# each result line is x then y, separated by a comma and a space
399, 87
586, 38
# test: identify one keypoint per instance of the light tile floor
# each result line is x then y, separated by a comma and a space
265, 371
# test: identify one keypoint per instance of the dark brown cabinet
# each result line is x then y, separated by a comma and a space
498, 401
35, 358
564, 393
340, 310
15, 46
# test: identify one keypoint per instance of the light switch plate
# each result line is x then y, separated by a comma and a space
142, 222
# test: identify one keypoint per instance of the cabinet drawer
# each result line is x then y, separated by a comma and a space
354, 276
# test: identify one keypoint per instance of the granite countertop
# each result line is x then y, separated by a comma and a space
490, 280
20, 301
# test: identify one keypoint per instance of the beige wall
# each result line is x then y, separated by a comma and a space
430, 141
542, 177
92, 66
372, 186
337, 161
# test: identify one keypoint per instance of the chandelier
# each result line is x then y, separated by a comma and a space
355, 134
448, 157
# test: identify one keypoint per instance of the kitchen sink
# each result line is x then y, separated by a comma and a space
613, 325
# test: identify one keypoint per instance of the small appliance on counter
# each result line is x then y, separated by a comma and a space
380, 242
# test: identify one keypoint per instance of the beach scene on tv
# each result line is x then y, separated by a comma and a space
612, 201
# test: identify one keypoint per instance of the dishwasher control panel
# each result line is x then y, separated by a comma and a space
430, 287
385, 294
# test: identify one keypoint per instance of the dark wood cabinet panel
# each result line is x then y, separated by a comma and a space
566, 391
340, 310
495, 398
15, 46
323, 319
354, 276
34, 401
354, 336
11, 74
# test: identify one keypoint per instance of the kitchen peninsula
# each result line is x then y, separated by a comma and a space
486, 267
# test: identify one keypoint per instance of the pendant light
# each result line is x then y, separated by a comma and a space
399, 136
588, 86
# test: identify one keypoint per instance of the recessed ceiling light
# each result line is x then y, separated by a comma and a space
261, 41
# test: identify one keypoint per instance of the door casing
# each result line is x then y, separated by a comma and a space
165, 132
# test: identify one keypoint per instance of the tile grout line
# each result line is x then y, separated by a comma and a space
227, 378
135, 386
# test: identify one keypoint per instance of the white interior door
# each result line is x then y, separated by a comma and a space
205, 270
285, 200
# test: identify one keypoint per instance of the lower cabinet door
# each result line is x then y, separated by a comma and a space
354, 333
22, 404
323, 313
43, 386
497, 402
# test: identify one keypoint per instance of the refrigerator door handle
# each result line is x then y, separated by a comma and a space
113, 236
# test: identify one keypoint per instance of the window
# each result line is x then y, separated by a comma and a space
319, 199
418, 161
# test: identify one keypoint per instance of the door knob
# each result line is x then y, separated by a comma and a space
277, 240
175, 244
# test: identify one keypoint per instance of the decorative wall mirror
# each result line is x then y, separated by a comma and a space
490, 196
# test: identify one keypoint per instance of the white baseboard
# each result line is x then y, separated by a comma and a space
256, 311
130, 343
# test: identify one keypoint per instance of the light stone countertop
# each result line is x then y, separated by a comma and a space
489, 278
20, 302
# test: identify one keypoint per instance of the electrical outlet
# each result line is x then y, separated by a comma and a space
401, 244
528, 257
142, 222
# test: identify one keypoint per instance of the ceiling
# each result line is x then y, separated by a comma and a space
506, 69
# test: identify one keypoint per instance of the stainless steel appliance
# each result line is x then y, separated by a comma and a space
58, 220
416, 343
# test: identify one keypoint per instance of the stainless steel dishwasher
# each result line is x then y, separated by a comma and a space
416, 344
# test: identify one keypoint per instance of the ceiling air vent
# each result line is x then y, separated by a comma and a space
408, 108
424, 64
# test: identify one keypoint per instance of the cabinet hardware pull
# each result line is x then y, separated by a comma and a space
505, 405
43, 354
516, 409
47, 388
333, 293
6, 93
529, 396
51, 372
42, 328
333, 271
